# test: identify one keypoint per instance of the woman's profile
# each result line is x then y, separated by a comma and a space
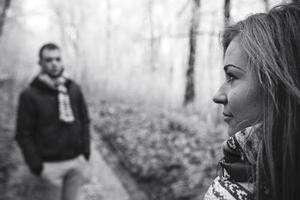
261, 105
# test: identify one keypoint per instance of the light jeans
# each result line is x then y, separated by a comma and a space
64, 178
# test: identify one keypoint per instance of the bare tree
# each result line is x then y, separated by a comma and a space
227, 17
70, 21
108, 32
4, 5
190, 73
152, 37
267, 6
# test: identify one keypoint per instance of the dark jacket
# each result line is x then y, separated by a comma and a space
39, 132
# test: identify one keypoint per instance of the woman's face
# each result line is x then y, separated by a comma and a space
240, 94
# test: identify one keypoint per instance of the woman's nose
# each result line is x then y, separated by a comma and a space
220, 97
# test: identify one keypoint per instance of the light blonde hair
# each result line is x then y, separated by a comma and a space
271, 42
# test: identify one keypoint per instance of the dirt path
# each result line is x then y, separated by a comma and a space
103, 183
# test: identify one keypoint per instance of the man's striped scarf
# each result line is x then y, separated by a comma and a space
64, 104
237, 168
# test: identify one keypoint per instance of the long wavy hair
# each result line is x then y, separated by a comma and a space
271, 42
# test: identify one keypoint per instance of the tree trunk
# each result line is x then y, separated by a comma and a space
152, 38
4, 5
108, 33
190, 73
267, 6
227, 18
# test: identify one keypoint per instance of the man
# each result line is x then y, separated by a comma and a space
53, 126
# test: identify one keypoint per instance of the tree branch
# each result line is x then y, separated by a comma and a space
3, 14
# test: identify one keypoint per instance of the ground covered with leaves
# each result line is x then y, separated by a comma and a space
171, 155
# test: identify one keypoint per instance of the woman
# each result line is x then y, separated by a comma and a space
261, 100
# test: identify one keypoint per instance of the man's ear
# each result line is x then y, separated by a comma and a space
41, 65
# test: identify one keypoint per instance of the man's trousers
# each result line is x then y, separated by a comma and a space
64, 178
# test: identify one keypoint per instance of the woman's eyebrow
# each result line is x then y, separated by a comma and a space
231, 65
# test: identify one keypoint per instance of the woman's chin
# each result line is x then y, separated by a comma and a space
233, 129
230, 131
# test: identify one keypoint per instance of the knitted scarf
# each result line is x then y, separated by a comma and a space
237, 168
64, 105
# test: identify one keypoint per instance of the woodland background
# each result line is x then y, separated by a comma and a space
148, 69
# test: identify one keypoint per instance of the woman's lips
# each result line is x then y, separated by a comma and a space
227, 117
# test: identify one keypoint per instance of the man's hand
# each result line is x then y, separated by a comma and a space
37, 171
87, 156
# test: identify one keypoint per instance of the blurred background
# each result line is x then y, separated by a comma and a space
148, 69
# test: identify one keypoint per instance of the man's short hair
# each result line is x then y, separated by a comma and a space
50, 46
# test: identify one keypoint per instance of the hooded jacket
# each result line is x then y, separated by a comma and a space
39, 132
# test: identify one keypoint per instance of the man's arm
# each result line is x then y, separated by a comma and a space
26, 119
85, 122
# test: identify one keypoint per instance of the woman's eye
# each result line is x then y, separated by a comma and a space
230, 78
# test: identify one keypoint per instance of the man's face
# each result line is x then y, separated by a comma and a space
51, 63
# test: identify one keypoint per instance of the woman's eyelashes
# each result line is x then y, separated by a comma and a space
230, 77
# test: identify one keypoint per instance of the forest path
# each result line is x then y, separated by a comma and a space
103, 183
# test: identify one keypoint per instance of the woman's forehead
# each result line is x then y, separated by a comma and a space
235, 55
